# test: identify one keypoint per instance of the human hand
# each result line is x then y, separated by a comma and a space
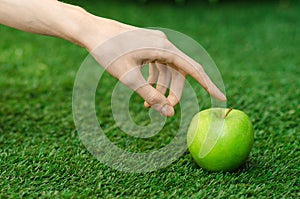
125, 54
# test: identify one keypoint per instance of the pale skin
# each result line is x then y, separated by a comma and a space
74, 24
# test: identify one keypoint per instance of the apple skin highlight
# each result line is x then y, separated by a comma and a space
233, 144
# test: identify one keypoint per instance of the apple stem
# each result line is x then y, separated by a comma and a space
227, 113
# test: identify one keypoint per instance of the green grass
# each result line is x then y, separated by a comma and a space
256, 47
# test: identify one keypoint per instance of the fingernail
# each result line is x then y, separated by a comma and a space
167, 110
223, 97
146, 105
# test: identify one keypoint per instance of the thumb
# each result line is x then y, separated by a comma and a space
156, 100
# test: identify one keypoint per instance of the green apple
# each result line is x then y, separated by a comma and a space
220, 139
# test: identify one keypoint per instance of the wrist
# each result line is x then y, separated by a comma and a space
89, 31
101, 30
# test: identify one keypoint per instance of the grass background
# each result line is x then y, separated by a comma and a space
256, 47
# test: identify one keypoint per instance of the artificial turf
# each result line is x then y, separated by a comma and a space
256, 47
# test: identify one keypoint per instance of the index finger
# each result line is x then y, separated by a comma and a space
183, 62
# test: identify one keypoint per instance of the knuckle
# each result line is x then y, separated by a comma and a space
160, 34
162, 83
161, 39
153, 98
151, 80
173, 100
